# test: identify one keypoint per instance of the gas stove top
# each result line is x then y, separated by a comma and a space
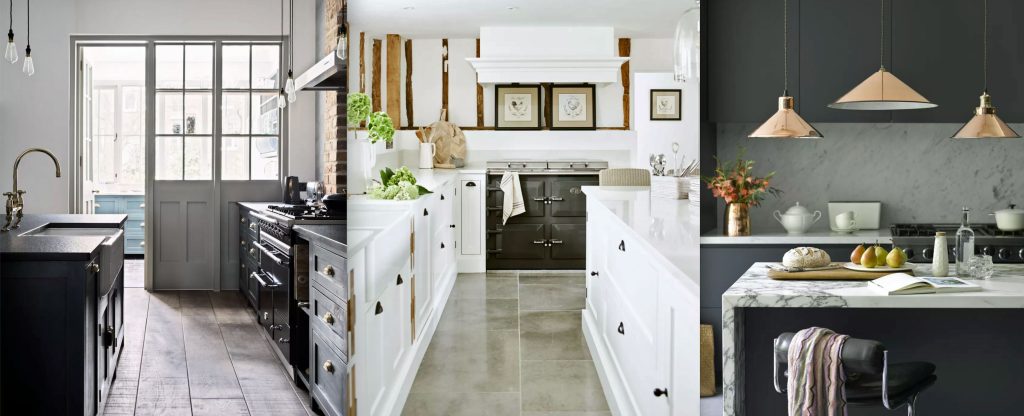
917, 240
306, 214
544, 167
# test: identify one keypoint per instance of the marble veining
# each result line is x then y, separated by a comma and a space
917, 171
756, 290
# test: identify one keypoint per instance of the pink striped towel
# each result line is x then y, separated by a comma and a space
816, 378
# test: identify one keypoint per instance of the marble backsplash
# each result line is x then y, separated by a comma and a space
917, 171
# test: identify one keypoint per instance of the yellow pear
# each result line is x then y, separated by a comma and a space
880, 256
857, 254
868, 259
896, 257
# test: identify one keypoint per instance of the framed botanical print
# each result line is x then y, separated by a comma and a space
572, 107
666, 104
517, 107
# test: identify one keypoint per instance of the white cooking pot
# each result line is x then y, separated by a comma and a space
1010, 219
797, 219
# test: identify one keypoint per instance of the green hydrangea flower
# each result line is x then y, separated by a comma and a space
380, 127
358, 108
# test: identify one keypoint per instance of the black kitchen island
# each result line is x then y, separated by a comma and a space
61, 312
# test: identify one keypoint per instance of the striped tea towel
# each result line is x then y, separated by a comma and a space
816, 378
513, 203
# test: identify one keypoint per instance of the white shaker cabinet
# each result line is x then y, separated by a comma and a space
471, 223
641, 316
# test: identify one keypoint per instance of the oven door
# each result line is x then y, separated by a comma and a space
266, 285
277, 268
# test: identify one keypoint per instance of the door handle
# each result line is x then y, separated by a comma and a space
442, 197
540, 241
658, 392
622, 245
400, 281
621, 329
272, 283
557, 241
544, 200
470, 184
556, 198
442, 245
108, 336
379, 309
263, 218
273, 255
595, 274
425, 213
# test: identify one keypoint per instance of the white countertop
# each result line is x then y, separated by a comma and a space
669, 228
756, 289
428, 178
816, 237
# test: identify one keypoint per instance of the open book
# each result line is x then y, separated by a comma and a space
905, 284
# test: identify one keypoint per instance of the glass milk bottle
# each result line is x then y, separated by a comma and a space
940, 260
964, 245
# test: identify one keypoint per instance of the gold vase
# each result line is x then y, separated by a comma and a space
737, 220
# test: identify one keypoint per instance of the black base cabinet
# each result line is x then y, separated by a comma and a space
550, 235
61, 337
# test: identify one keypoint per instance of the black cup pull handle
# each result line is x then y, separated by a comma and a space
658, 392
595, 274
622, 328
400, 281
425, 213
379, 310
470, 184
442, 245
442, 197
622, 245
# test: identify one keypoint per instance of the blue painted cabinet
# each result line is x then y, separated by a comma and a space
135, 226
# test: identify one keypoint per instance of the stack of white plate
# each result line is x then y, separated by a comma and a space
695, 187
669, 187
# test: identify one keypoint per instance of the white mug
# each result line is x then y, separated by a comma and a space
846, 221
427, 151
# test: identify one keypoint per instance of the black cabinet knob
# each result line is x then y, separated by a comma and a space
442, 197
658, 392
622, 328
594, 274
379, 310
622, 245
442, 245
400, 281
425, 213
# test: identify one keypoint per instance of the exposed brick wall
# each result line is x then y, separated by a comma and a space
335, 146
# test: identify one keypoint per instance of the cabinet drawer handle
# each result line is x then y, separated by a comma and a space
540, 241
400, 281
442, 197
622, 329
470, 184
622, 245
243, 220
142, 244
329, 366
379, 310
329, 271
556, 241
142, 224
658, 392
425, 213
142, 205
595, 274
451, 226
328, 318
442, 245
93, 268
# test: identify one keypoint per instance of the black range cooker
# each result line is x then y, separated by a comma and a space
918, 241
283, 277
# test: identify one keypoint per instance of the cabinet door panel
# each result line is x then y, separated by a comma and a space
533, 187
471, 225
573, 239
572, 203
517, 241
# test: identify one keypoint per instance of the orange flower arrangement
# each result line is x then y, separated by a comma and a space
736, 183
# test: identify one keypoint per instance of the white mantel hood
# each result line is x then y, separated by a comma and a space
547, 54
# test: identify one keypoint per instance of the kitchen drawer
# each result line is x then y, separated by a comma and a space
329, 378
388, 253
248, 226
631, 344
328, 271
134, 245
633, 274
249, 250
134, 228
330, 317
252, 287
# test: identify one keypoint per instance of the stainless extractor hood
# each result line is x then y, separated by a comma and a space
326, 75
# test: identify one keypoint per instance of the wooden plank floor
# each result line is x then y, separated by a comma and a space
198, 353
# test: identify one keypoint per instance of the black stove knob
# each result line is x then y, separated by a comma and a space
927, 253
987, 250
1003, 254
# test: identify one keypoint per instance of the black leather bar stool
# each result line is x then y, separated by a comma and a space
870, 379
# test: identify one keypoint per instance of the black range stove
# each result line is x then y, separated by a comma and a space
918, 241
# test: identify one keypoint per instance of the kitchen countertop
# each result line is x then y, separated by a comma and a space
428, 178
814, 237
331, 236
258, 206
14, 246
666, 226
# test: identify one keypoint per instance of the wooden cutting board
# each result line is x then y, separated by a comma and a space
833, 274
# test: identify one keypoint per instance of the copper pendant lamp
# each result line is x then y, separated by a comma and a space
785, 123
985, 124
882, 90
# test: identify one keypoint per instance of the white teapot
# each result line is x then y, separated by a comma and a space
797, 219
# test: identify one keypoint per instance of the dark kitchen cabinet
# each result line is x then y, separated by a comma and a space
551, 234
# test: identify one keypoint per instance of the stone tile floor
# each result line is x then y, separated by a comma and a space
510, 343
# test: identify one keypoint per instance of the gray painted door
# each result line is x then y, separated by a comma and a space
184, 237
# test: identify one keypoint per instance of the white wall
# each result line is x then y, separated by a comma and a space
35, 111
657, 136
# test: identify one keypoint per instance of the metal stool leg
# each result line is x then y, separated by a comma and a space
911, 405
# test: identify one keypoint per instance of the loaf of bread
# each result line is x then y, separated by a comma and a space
806, 257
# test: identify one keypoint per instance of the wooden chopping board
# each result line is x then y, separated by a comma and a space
832, 274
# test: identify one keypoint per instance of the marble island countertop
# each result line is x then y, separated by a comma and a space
755, 289
17, 245
669, 228
813, 237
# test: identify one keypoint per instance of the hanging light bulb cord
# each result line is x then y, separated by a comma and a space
984, 48
881, 36
28, 28
10, 25
785, 48
291, 35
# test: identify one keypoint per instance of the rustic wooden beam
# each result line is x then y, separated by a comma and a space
408, 81
624, 50
444, 78
394, 87
375, 84
362, 62
479, 93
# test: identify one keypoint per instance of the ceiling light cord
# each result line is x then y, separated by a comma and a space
881, 36
984, 37
785, 47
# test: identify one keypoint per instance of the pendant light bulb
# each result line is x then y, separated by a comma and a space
11, 53
29, 67
289, 87
342, 49
282, 99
